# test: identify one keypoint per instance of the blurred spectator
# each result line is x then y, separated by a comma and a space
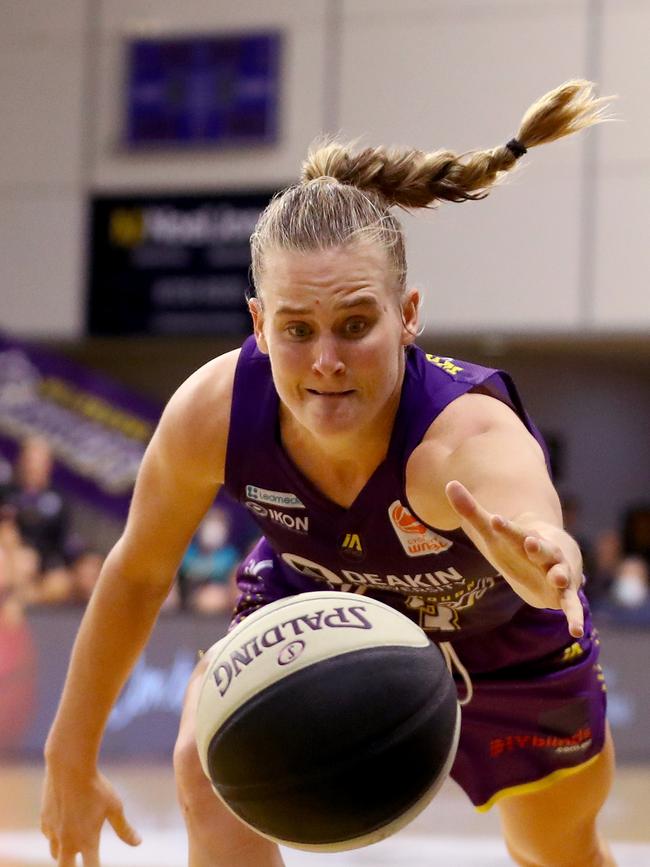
19, 563
17, 652
636, 531
607, 559
629, 597
5, 477
42, 518
11, 604
84, 573
571, 517
630, 586
204, 575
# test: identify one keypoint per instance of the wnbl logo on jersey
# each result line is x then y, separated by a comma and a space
417, 540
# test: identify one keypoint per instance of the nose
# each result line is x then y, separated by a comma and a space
327, 360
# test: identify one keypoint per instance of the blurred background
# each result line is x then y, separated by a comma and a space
141, 139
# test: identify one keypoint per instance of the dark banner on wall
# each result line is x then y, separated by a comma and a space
171, 264
97, 429
145, 718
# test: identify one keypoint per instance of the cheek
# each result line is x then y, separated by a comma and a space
374, 374
288, 356
288, 363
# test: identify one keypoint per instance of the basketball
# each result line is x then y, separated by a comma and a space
326, 721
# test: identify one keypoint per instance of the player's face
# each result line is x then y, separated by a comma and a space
334, 324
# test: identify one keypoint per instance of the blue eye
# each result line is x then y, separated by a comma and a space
356, 327
298, 330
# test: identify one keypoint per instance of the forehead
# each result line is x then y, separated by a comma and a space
321, 273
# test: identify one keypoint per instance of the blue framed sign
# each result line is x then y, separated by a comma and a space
197, 91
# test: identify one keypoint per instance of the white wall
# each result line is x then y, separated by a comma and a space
301, 96
41, 165
534, 257
460, 74
622, 243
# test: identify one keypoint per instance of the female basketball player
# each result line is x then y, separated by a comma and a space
372, 466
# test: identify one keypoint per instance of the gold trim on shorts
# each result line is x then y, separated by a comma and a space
536, 785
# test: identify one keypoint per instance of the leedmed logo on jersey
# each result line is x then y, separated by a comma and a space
274, 498
417, 540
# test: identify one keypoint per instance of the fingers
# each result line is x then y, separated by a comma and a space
467, 507
572, 607
558, 575
122, 828
67, 858
545, 554
91, 858
540, 552
515, 541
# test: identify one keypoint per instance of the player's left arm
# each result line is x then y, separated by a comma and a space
496, 485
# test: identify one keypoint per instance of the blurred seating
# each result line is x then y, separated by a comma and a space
204, 577
41, 517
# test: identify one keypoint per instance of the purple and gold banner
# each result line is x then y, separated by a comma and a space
97, 429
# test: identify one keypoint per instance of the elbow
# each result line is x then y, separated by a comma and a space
144, 576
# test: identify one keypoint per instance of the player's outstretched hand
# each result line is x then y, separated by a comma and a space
74, 808
544, 573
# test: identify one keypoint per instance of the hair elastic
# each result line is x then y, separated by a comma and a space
516, 148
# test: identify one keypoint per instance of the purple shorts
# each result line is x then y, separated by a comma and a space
529, 725
538, 707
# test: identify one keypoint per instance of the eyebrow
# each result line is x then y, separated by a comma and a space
353, 301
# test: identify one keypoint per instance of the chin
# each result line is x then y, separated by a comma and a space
332, 423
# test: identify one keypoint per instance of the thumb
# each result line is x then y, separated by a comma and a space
122, 828
460, 499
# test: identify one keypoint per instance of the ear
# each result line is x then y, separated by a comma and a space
410, 305
256, 311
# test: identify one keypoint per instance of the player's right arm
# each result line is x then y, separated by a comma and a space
180, 474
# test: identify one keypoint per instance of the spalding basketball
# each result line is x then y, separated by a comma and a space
326, 721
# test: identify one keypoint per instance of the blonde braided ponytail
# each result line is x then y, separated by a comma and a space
415, 179
345, 196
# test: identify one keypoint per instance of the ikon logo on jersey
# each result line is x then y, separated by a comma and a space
417, 540
296, 523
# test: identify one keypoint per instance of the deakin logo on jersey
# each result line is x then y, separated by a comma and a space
417, 540
350, 546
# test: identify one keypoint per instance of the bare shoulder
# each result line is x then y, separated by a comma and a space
194, 426
471, 415
464, 421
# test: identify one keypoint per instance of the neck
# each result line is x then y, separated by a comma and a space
339, 466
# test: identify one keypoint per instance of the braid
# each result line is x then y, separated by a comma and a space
345, 196
415, 179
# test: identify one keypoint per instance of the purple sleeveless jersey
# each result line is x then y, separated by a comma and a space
378, 546
538, 706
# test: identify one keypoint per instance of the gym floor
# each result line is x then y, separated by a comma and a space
448, 832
